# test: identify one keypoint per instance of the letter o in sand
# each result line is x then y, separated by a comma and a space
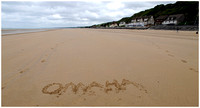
52, 88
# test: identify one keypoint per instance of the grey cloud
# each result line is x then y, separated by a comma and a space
68, 13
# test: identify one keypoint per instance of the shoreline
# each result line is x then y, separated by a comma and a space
27, 32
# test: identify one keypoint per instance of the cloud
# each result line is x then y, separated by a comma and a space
68, 13
116, 5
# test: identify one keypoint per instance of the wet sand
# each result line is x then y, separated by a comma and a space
100, 67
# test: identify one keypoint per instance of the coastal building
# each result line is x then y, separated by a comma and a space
137, 22
129, 25
174, 19
143, 21
121, 24
134, 25
113, 25
148, 20
160, 19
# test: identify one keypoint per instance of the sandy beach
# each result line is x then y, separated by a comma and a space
100, 67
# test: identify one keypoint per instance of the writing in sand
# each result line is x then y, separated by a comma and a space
59, 88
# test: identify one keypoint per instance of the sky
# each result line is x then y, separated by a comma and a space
47, 14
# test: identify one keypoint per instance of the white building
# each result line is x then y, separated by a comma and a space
122, 24
134, 25
173, 19
143, 21
129, 25
113, 25
149, 21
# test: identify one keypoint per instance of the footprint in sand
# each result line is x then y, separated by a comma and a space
2, 88
119, 99
169, 54
184, 61
43, 61
21, 71
52, 48
193, 69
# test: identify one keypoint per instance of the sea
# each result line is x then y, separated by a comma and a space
5, 31
16, 31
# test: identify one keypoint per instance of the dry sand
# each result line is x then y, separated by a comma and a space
105, 67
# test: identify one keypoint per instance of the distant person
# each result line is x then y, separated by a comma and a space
177, 29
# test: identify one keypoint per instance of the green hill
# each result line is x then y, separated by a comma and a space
189, 8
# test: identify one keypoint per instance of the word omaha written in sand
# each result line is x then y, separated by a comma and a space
86, 88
